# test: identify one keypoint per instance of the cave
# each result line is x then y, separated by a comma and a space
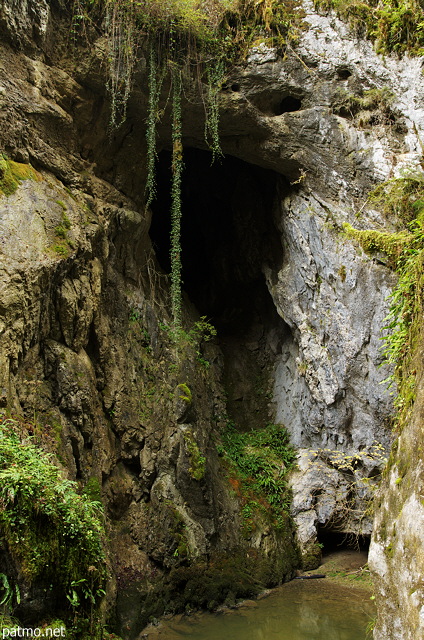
333, 541
228, 238
228, 234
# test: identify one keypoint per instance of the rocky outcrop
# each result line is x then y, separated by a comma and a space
85, 300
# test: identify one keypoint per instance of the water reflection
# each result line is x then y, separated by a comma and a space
299, 610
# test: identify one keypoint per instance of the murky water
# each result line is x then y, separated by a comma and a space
299, 610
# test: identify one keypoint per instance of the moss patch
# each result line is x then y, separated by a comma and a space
13, 173
403, 197
197, 460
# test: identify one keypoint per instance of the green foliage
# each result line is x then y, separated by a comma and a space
187, 38
13, 173
9, 596
56, 534
393, 25
372, 241
260, 460
200, 332
215, 76
123, 40
401, 197
93, 490
184, 392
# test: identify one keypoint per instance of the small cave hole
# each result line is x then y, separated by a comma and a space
288, 104
343, 73
235, 87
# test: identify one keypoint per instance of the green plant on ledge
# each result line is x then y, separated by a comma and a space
258, 462
13, 173
393, 25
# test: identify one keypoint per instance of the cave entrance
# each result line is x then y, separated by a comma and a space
228, 238
336, 541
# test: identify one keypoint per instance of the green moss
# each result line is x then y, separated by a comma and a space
93, 490
185, 393
404, 198
197, 460
61, 249
61, 204
178, 529
312, 558
13, 173
372, 241
370, 106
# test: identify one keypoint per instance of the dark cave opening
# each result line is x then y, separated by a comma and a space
228, 235
288, 105
333, 541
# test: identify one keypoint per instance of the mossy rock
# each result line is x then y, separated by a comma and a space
13, 173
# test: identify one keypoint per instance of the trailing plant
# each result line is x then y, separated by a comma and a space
155, 85
194, 337
393, 25
56, 534
123, 38
258, 462
177, 169
189, 39
215, 75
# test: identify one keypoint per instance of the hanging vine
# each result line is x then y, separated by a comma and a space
122, 35
177, 168
215, 75
155, 84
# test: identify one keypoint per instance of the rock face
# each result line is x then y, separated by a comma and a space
299, 308
396, 552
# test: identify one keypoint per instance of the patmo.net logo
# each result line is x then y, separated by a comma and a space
27, 632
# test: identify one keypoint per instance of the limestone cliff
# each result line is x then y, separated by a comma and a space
299, 307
